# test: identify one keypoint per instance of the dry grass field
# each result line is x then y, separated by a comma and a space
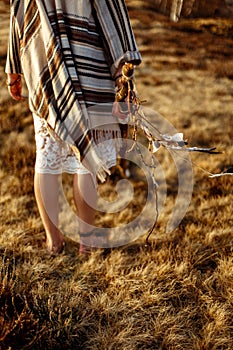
177, 293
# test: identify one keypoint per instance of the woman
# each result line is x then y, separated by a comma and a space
70, 53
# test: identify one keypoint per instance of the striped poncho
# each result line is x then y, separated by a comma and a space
68, 52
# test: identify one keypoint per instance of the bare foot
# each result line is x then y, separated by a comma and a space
91, 241
55, 244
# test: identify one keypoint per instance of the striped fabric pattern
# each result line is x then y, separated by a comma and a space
68, 52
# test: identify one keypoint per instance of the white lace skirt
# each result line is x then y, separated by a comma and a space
56, 157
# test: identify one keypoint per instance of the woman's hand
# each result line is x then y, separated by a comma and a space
119, 109
14, 84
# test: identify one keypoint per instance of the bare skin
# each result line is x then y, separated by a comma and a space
47, 196
46, 188
15, 89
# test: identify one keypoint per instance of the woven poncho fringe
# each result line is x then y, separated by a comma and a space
52, 94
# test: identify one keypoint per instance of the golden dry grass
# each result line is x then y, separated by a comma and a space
176, 293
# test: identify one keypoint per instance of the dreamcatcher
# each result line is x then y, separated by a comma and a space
130, 104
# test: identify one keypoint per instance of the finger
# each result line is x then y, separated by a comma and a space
16, 92
116, 111
16, 96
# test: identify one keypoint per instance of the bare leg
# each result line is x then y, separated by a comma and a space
85, 196
47, 194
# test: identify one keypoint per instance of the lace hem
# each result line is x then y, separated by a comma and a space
54, 156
